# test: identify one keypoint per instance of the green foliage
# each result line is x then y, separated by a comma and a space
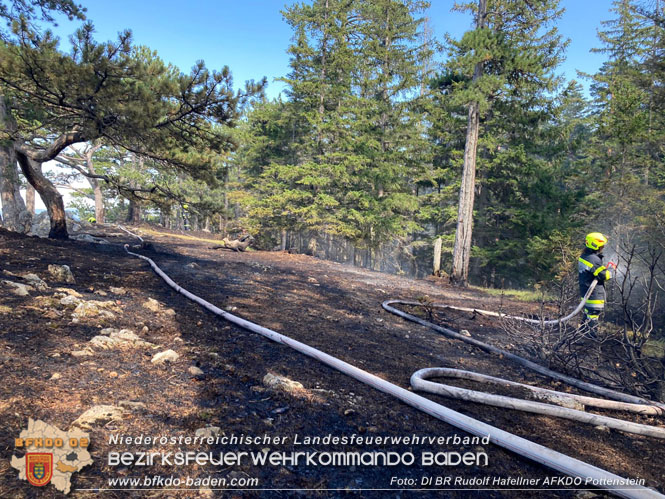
341, 154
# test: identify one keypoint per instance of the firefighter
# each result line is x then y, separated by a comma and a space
591, 267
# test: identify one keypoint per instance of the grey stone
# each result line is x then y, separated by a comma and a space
208, 431
152, 305
281, 383
99, 414
165, 356
36, 281
93, 309
132, 406
19, 289
61, 273
70, 301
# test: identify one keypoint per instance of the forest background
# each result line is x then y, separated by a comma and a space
364, 155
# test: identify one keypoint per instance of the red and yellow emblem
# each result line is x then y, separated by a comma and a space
39, 468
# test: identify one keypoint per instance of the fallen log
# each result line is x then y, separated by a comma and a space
237, 244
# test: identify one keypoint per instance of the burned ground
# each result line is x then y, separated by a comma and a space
329, 306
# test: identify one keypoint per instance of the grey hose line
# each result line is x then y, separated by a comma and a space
131, 233
589, 387
419, 382
568, 465
542, 322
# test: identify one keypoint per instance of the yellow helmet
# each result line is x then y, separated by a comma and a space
595, 241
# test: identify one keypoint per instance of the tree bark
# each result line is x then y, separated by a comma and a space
133, 213
283, 241
462, 249
30, 199
32, 170
14, 214
100, 213
436, 266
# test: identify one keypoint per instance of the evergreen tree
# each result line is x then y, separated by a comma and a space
125, 96
505, 71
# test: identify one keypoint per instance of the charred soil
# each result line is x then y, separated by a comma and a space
332, 307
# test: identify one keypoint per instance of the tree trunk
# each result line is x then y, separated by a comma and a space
32, 171
14, 214
30, 199
436, 267
94, 183
462, 249
134, 213
283, 242
99, 202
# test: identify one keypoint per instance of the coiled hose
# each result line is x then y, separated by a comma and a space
591, 475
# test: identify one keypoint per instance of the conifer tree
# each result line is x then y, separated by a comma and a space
126, 96
504, 66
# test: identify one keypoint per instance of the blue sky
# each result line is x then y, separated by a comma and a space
251, 37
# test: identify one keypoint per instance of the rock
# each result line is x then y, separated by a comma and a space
70, 292
145, 329
349, 412
19, 289
102, 342
281, 383
602, 428
61, 273
101, 293
99, 414
165, 356
87, 309
464, 332
41, 225
35, 281
87, 238
83, 353
118, 291
70, 301
170, 312
208, 431
152, 305
5, 309
125, 335
117, 338
55, 376
133, 406
195, 371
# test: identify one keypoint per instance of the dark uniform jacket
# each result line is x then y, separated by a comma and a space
591, 267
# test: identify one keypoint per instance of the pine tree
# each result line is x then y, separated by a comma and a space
112, 91
381, 201
504, 69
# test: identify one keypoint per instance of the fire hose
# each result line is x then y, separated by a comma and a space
590, 474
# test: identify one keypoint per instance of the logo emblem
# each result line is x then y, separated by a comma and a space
39, 468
